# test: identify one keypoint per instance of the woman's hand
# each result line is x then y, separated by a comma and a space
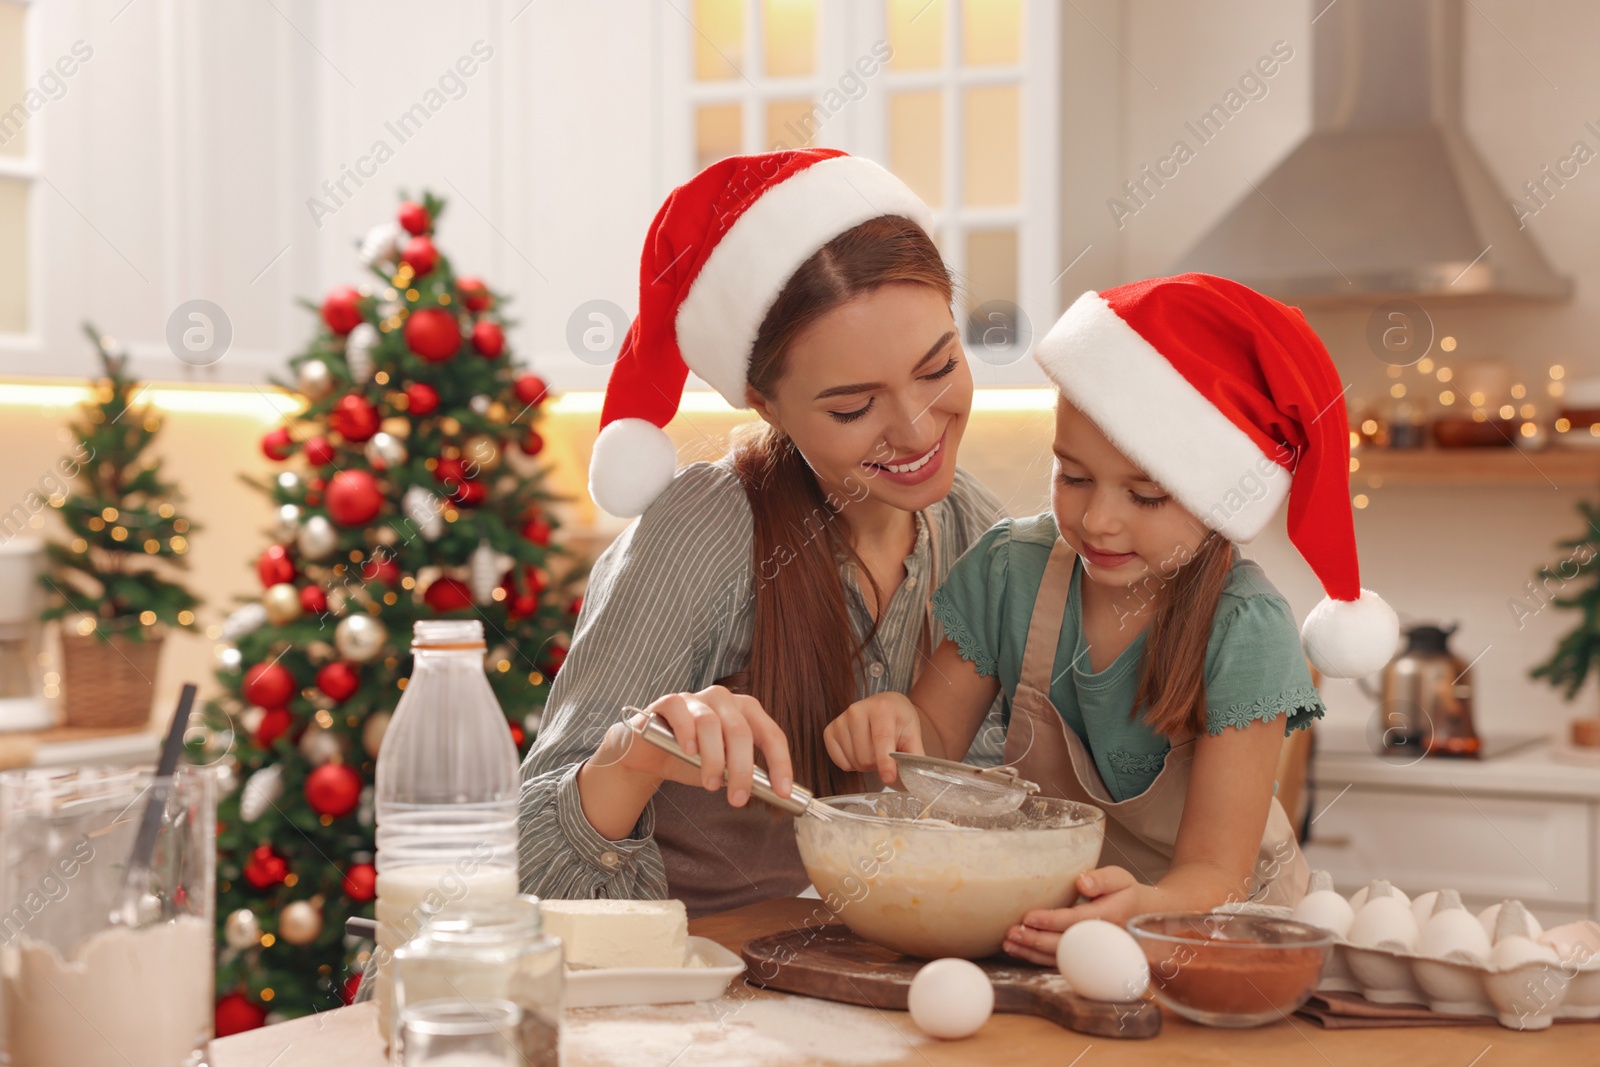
724, 728
869, 730
1111, 893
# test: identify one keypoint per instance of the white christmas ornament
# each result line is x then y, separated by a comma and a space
261, 790
479, 404
317, 538
358, 351
385, 451
320, 745
381, 244
229, 658
288, 522
422, 508
486, 567
242, 929
243, 621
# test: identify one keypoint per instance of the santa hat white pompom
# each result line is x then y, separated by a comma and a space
1351, 638
632, 464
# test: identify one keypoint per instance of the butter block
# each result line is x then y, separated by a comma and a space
619, 933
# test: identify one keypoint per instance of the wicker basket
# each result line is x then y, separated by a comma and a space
108, 684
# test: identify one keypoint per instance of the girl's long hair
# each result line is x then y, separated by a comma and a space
804, 660
1172, 691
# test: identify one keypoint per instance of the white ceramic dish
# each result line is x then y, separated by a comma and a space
705, 977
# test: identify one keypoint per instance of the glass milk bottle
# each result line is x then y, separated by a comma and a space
446, 794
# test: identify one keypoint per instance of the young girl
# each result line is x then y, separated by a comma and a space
1147, 668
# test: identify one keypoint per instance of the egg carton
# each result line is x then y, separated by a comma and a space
1529, 996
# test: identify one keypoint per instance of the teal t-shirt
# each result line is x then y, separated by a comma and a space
1255, 668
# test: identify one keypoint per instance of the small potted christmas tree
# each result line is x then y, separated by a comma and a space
109, 582
1572, 583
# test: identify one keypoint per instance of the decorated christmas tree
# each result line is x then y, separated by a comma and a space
114, 580
411, 491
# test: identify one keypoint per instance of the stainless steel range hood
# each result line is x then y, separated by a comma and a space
1386, 198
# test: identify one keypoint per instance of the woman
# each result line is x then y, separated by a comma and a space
760, 595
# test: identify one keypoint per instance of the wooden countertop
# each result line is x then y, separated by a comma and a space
778, 1029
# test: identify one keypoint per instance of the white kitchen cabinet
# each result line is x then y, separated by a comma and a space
1523, 825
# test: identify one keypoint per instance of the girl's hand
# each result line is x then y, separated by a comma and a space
1114, 895
724, 728
869, 730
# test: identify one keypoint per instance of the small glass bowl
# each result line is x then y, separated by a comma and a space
1231, 969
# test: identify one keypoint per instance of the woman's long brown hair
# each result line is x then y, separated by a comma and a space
1172, 691
805, 663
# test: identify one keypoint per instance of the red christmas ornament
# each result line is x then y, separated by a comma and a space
319, 451
518, 734
537, 530
333, 789
471, 494
268, 685
361, 882
275, 566
277, 444
421, 398
532, 444
521, 605
354, 417
339, 680
352, 986
554, 658
265, 868
448, 594
354, 498
488, 339
450, 473
530, 388
341, 309
420, 255
475, 296
575, 607
314, 489
236, 1013
383, 570
433, 333
535, 578
273, 725
313, 601
413, 217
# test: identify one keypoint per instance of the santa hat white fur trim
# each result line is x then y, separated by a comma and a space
1351, 638
740, 280
632, 464
1158, 420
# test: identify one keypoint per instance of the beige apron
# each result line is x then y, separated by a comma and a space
1140, 831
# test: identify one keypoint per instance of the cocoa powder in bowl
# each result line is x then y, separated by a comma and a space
1227, 969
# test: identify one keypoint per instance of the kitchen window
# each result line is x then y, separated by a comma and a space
960, 98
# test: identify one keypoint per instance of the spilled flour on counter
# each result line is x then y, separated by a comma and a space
736, 1031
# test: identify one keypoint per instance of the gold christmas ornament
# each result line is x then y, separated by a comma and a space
300, 922
282, 602
377, 725
483, 450
242, 930
316, 380
320, 745
360, 637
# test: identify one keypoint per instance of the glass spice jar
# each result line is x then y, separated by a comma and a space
486, 953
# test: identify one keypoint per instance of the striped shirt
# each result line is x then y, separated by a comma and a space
670, 607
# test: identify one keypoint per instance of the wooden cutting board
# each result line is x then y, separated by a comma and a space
832, 963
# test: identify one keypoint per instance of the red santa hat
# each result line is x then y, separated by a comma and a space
1230, 402
718, 253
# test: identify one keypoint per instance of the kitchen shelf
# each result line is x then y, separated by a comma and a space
1564, 467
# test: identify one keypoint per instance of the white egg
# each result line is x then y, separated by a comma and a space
1384, 922
1359, 897
1102, 961
1327, 909
1454, 933
1491, 915
951, 998
1422, 907
1515, 950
